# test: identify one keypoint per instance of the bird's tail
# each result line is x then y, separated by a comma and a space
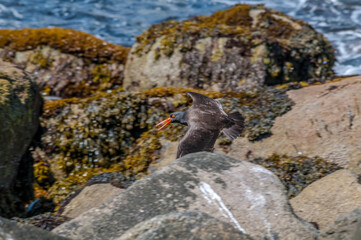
236, 129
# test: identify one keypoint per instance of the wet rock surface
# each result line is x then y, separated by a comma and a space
67, 63
245, 195
240, 48
184, 225
10, 230
324, 200
20, 105
323, 122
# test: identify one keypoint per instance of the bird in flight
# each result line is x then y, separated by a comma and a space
205, 120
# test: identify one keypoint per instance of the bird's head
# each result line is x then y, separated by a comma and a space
176, 117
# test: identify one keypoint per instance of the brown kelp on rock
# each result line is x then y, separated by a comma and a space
90, 136
114, 132
240, 48
67, 62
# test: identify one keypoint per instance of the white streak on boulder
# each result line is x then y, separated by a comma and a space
213, 198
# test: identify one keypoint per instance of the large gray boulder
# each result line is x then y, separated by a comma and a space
10, 230
243, 194
184, 225
325, 122
20, 104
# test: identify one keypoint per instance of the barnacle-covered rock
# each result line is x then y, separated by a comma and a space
239, 48
297, 172
67, 62
89, 136
114, 132
20, 104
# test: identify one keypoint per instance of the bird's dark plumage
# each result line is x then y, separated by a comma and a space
205, 120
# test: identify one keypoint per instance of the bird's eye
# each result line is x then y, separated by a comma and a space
173, 116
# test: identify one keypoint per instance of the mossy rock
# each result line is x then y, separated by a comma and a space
20, 105
240, 48
115, 131
67, 62
297, 172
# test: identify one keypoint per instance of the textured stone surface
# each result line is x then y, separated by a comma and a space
68, 75
67, 62
325, 122
168, 153
20, 104
324, 200
243, 194
10, 230
240, 48
346, 227
89, 197
184, 225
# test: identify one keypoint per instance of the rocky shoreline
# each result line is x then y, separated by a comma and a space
79, 154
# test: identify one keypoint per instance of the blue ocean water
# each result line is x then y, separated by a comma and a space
120, 21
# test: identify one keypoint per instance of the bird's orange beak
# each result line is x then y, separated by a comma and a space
165, 122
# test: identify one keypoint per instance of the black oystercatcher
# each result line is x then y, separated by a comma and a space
205, 120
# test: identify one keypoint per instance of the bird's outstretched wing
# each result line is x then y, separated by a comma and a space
205, 103
197, 140
199, 99
235, 129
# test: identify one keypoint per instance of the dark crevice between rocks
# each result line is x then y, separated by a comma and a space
136, 132
359, 178
21, 190
23, 186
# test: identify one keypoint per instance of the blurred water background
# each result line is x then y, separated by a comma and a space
120, 21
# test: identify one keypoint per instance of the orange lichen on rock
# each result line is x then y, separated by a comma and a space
66, 40
52, 107
238, 15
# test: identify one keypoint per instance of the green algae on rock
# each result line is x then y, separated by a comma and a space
297, 172
67, 62
114, 132
20, 105
239, 48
